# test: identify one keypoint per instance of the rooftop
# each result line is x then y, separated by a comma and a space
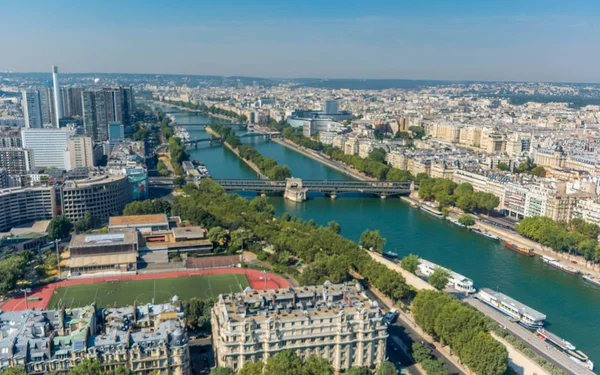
108, 239
138, 220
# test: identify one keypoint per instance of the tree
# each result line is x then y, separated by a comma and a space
314, 365
284, 362
503, 167
538, 171
485, 356
218, 235
420, 353
14, 371
87, 367
121, 370
466, 220
334, 226
410, 263
378, 155
261, 204
395, 174
464, 189
526, 165
439, 278
386, 368
59, 228
283, 257
359, 371
372, 240
222, 371
252, 368
88, 222
179, 181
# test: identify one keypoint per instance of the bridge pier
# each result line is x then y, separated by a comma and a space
294, 190
383, 196
332, 196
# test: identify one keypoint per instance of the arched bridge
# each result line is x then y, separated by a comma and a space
329, 187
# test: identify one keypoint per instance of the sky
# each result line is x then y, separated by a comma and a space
494, 40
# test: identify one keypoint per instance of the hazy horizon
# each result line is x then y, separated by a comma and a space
509, 41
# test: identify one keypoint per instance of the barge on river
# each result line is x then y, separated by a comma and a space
552, 262
569, 349
456, 280
522, 314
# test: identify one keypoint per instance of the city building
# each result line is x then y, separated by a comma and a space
81, 151
22, 205
138, 180
32, 108
47, 147
115, 252
58, 108
98, 111
141, 338
102, 196
71, 101
116, 134
14, 160
337, 322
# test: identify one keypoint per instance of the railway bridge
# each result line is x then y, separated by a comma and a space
296, 189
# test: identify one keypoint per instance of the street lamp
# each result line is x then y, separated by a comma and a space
25, 291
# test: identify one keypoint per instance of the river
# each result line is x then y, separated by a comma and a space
571, 304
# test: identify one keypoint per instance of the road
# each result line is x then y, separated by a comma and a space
546, 351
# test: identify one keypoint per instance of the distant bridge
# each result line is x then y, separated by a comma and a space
299, 187
212, 139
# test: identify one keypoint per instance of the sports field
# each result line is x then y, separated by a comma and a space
123, 293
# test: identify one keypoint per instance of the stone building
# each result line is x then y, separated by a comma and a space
337, 322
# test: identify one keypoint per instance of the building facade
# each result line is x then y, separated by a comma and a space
81, 151
47, 147
333, 321
101, 196
32, 108
14, 160
21, 205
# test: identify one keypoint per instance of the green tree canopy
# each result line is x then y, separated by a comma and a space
359, 371
284, 362
59, 228
466, 220
334, 226
485, 356
314, 365
222, 371
87, 367
439, 278
386, 368
252, 368
410, 263
378, 154
371, 239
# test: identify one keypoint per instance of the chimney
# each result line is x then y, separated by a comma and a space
57, 96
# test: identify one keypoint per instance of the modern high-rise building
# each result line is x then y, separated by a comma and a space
48, 147
81, 151
71, 101
58, 109
15, 160
98, 111
32, 108
116, 133
47, 103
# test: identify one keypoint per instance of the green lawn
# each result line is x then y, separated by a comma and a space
162, 290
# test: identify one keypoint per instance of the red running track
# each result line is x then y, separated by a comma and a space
255, 278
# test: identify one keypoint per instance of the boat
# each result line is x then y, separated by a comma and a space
455, 222
591, 279
522, 314
576, 355
552, 262
456, 280
431, 211
390, 254
484, 234
518, 249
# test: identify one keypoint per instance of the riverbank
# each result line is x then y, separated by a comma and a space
237, 153
321, 158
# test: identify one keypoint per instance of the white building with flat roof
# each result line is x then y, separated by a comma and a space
48, 147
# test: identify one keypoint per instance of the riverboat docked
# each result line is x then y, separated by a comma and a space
432, 211
519, 249
569, 349
484, 234
591, 279
552, 262
523, 314
456, 280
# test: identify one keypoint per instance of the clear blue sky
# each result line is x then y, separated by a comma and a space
543, 40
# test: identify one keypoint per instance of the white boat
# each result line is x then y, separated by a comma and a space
552, 262
591, 279
524, 315
456, 280
569, 349
485, 234
455, 222
432, 211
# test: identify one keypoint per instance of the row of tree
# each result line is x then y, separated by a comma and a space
85, 367
422, 354
374, 165
463, 329
447, 193
328, 255
178, 154
576, 237
288, 362
267, 166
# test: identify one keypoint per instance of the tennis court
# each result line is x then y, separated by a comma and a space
125, 292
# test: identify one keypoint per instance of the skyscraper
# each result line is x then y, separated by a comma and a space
71, 101
100, 107
58, 110
81, 150
32, 109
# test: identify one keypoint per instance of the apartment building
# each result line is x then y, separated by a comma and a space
141, 338
337, 322
21, 205
588, 210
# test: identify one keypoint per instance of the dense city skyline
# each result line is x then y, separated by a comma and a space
511, 41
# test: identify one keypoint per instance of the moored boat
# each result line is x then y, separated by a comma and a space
432, 211
455, 222
456, 280
523, 314
552, 262
591, 279
518, 249
484, 234
569, 349
389, 254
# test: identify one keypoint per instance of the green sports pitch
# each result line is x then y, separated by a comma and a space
124, 293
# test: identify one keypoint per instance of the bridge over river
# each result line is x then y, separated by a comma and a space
296, 189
